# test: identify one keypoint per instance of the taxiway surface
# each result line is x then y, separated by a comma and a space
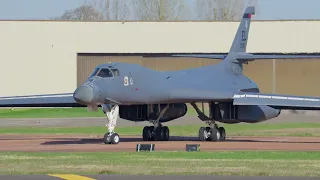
101, 121
128, 143
75, 143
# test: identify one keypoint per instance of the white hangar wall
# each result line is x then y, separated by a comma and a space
39, 57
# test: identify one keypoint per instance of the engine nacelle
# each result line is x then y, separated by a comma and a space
151, 112
254, 114
228, 113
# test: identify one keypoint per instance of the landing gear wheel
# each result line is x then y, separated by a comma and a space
106, 138
203, 134
111, 138
214, 134
208, 134
115, 138
222, 132
147, 133
158, 133
165, 132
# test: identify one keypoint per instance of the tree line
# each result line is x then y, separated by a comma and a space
158, 10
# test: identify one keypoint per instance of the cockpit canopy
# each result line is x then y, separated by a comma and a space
105, 72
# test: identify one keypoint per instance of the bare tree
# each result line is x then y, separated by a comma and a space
82, 13
112, 9
225, 10
160, 10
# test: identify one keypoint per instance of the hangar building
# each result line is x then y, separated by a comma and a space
40, 57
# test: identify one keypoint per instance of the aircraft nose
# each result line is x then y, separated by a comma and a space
83, 95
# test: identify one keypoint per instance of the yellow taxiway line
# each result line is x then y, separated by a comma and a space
70, 177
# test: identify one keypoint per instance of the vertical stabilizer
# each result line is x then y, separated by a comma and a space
240, 40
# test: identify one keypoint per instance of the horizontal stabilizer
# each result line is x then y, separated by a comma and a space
251, 57
278, 101
248, 57
207, 56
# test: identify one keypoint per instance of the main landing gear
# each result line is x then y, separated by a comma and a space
112, 113
212, 133
157, 132
152, 133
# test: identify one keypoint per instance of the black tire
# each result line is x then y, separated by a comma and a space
214, 134
115, 138
106, 138
166, 133
208, 130
202, 131
146, 134
158, 133
222, 132
151, 133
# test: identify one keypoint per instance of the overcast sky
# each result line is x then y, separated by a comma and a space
268, 9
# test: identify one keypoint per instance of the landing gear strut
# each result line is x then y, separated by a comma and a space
212, 133
157, 132
112, 113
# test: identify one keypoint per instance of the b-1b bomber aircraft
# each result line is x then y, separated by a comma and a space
136, 93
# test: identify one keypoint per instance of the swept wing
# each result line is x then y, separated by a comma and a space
278, 101
45, 100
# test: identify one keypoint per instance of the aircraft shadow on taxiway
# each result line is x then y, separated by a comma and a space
173, 138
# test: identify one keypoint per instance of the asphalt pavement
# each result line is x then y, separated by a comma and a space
101, 121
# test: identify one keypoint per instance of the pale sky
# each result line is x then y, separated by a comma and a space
42, 9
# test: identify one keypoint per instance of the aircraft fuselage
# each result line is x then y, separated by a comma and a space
136, 87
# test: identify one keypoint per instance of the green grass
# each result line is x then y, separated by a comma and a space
277, 129
49, 113
56, 113
213, 163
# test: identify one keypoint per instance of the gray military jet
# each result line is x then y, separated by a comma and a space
137, 93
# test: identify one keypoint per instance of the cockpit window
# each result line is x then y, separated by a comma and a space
115, 72
94, 72
105, 73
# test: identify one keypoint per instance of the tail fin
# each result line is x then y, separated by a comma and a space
240, 40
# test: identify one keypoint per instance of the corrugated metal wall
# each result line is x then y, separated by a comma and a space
299, 77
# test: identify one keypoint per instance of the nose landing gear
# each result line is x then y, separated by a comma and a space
112, 113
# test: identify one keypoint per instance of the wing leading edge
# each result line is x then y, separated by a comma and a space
46, 100
278, 101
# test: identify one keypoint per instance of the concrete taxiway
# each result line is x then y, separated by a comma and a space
85, 143
101, 121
